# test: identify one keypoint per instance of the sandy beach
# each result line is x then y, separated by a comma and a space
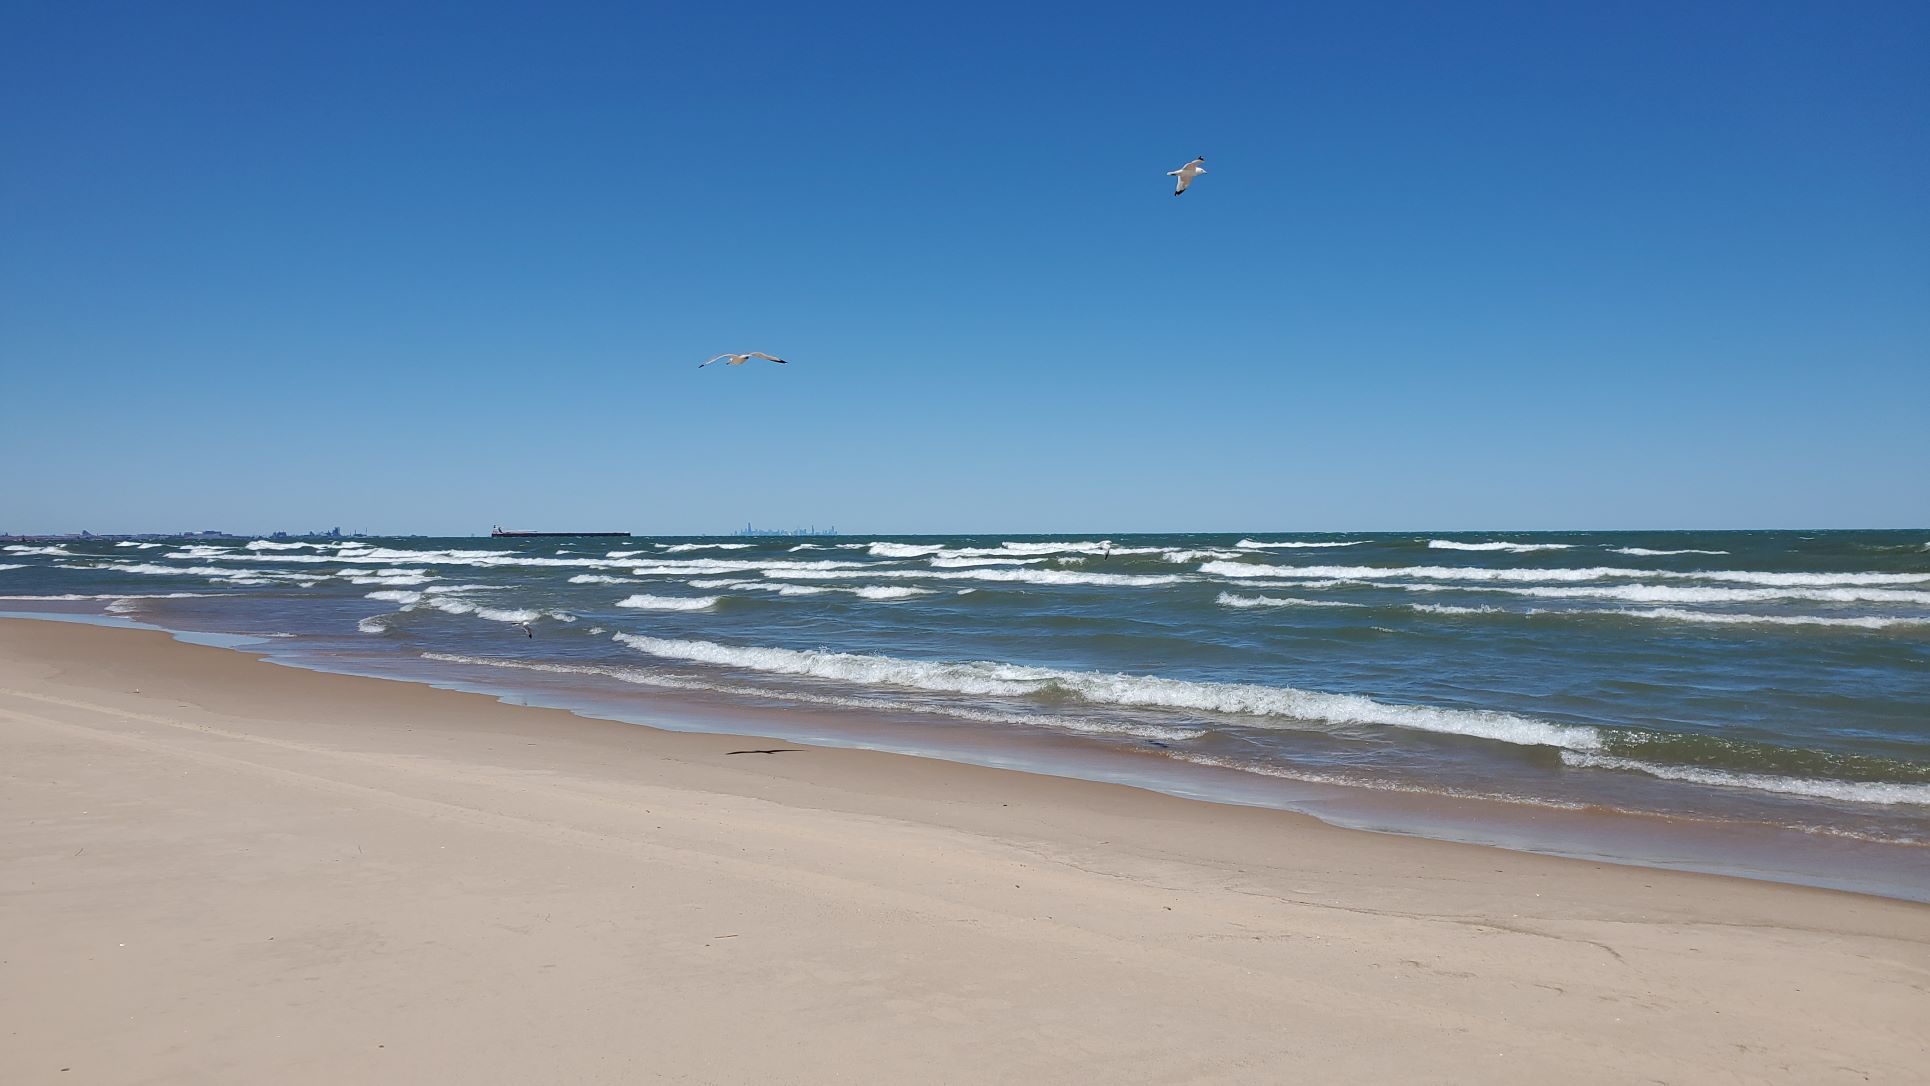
215, 869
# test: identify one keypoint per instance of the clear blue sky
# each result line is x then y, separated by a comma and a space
425, 268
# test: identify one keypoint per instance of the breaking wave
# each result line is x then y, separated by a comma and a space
1011, 576
1866, 622
961, 712
1138, 691
1294, 544
1881, 792
395, 595
1593, 573
1450, 609
1511, 548
1644, 552
670, 603
1228, 599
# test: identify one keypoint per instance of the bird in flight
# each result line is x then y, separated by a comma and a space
527, 632
740, 359
1187, 173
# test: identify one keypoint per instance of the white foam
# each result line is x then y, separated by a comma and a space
14, 565
679, 548
777, 587
601, 578
1019, 576
622, 554
493, 614
1652, 593
678, 682
987, 560
1866, 622
669, 603
1228, 599
1511, 548
271, 545
140, 546
1450, 609
903, 550
693, 566
51, 552
1877, 792
890, 592
1594, 573
1293, 544
395, 595
1196, 556
73, 596
1139, 691
375, 624
216, 573
1644, 552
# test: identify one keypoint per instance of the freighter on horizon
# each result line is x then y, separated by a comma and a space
500, 531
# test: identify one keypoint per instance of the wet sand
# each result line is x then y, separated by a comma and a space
214, 869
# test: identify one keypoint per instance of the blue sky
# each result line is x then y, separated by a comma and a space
1454, 266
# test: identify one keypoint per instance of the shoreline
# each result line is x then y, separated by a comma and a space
1641, 839
234, 871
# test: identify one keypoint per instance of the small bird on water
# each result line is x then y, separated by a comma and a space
740, 359
1187, 173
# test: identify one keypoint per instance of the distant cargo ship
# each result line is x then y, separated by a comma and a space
502, 532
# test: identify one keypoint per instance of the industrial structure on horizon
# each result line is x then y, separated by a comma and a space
750, 531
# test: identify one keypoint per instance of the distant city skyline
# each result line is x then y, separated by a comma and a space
1486, 266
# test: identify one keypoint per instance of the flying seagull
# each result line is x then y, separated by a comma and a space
1186, 174
740, 359
527, 632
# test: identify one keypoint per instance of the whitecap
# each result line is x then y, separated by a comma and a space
601, 578
1644, 552
986, 560
1450, 609
494, 614
1228, 599
1019, 576
890, 592
678, 682
1866, 622
669, 603
1294, 544
1138, 691
1593, 573
394, 596
1875, 792
1511, 548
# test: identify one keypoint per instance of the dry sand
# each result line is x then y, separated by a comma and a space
214, 869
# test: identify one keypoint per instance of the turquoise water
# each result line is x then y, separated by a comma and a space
1778, 680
